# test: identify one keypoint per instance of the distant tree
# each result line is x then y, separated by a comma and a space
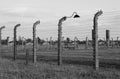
78, 41
29, 40
100, 40
40, 41
19, 42
55, 42
68, 40
5, 42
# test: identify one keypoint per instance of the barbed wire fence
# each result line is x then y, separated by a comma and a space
77, 36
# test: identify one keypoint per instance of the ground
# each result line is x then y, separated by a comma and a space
77, 64
18, 69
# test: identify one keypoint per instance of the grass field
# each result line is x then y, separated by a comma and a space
77, 64
109, 57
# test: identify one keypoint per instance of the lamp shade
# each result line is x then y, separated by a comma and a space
76, 16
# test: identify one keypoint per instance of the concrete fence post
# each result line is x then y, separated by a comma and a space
108, 38
60, 40
50, 42
27, 56
117, 41
86, 43
34, 41
15, 40
1, 37
112, 42
75, 42
95, 45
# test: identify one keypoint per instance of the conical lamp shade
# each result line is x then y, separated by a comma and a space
76, 16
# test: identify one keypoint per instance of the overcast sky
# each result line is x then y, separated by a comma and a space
49, 12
